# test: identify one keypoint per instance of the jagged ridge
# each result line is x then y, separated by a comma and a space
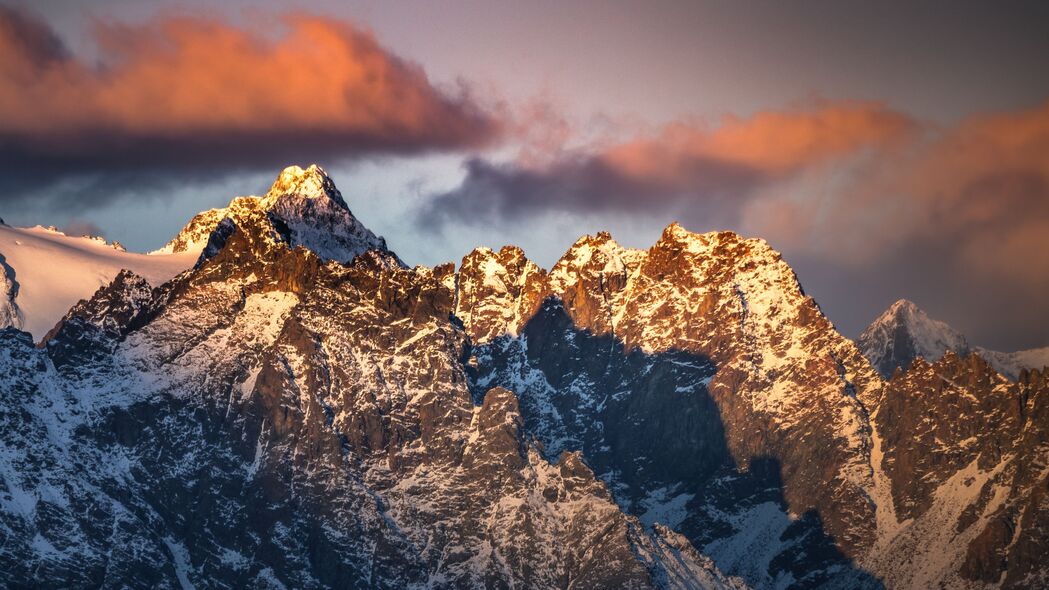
333, 422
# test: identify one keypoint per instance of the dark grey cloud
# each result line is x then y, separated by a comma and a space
492, 192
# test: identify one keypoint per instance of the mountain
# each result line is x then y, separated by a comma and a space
904, 333
699, 347
678, 417
44, 272
1011, 364
302, 208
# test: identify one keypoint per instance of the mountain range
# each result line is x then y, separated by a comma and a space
275, 399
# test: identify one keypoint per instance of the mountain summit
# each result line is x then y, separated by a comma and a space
904, 333
311, 183
302, 208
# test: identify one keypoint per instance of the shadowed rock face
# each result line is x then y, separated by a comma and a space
649, 427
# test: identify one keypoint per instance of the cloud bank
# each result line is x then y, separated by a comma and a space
197, 95
686, 165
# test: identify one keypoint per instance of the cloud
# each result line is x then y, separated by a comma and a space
685, 166
869, 204
198, 96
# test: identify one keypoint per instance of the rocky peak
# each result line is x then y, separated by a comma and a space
310, 183
593, 259
303, 207
497, 291
93, 325
113, 306
904, 332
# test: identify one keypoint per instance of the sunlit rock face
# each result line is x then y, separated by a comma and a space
300, 409
702, 385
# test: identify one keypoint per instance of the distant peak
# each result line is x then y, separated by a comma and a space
904, 305
908, 312
904, 332
311, 183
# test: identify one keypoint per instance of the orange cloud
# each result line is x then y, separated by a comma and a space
167, 90
987, 182
773, 143
979, 185
900, 207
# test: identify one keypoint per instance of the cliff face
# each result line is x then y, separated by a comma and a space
701, 384
967, 453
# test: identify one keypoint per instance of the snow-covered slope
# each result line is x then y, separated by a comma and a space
904, 332
1011, 364
47, 272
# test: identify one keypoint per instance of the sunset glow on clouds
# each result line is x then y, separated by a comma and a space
185, 92
849, 187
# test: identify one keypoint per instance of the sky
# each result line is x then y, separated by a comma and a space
889, 150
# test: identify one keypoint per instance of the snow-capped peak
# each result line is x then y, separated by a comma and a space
904, 332
310, 183
308, 208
